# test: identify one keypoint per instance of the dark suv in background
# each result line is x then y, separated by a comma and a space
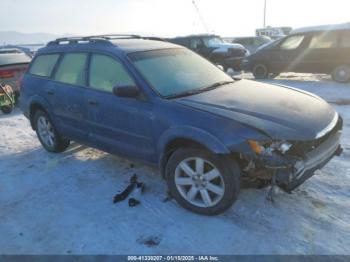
251, 43
167, 106
215, 49
320, 49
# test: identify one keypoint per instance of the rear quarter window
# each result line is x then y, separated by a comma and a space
43, 65
324, 40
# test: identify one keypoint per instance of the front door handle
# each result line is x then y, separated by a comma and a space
92, 102
50, 92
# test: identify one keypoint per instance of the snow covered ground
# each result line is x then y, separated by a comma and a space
62, 203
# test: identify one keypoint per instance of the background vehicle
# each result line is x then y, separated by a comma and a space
274, 33
7, 98
215, 49
251, 43
321, 49
13, 63
163, 104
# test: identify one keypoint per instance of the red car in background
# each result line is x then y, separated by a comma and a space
13, 64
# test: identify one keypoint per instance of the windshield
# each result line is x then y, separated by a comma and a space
269, 44
176, 72
212, 40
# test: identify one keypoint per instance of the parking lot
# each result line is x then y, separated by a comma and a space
62, 203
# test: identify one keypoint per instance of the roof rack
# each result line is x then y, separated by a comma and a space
117, 36
126, 36
155, 38
99, 38
76, 40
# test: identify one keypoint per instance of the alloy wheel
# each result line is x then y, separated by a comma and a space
199, 182
46, 132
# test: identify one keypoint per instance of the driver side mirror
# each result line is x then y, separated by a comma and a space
126, 91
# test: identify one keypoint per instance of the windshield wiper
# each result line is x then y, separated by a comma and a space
215, 85
200, 90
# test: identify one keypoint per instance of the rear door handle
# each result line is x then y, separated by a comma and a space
92, 102
50, 92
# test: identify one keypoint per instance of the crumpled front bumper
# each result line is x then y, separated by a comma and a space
292, 171
316, 159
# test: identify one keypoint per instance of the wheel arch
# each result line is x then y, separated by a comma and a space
37, 103
183, 137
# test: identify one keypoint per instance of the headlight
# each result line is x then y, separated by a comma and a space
268, 147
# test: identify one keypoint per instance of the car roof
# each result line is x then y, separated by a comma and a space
12, 56
125, 44
344, 26
138, 45
9, 50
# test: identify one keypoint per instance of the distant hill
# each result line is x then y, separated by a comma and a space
13, 37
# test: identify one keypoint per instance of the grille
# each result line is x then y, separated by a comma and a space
237, 52
303, 147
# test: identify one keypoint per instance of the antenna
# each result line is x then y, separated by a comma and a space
264, 13
200, 16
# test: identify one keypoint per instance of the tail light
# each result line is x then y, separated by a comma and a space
7, 73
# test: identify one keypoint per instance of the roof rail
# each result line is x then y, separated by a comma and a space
117, 36
99, 38
155, 38
77, 39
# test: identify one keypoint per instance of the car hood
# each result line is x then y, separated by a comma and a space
280, 112
226, 45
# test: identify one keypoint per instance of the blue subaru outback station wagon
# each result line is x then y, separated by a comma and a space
162, 104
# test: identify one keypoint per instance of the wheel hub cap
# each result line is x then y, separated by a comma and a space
199, 182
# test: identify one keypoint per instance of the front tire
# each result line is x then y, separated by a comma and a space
341, 74
47, 133
260, 71
202, 182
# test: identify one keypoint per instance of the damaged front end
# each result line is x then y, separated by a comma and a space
289, 163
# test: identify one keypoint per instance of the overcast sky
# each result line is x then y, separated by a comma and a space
165, 17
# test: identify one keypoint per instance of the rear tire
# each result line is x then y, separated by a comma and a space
47, 133
6, 109
202, 182
260, 71
341, 74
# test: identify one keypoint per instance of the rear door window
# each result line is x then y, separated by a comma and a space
324, 40
106, 73
71, 69
43, 65
292, 42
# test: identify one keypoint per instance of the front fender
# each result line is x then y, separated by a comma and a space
192, 133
